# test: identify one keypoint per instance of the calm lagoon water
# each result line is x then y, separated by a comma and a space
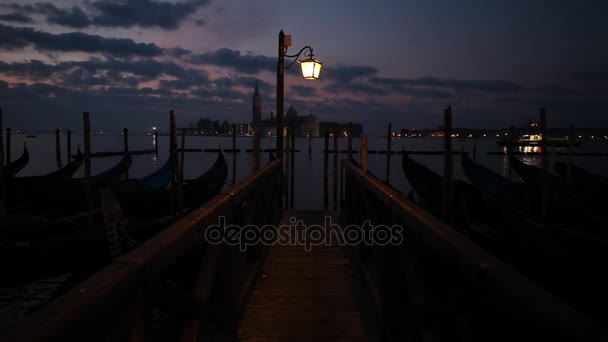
308, 170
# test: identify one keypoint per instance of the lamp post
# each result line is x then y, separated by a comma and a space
311, 69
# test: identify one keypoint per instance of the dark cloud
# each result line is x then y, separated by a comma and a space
233, 59
178, 52
74, 17
345, 74
355, 87
494, 86
17, 37
144, 13
108, 72
16, 17
303, 90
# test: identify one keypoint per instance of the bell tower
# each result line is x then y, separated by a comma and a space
256, 105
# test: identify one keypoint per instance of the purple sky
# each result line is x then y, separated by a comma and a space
129, 61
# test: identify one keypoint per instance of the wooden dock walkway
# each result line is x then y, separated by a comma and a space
306, 295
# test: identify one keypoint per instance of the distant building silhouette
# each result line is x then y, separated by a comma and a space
302, 125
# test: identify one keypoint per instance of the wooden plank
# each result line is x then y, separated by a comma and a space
305, 295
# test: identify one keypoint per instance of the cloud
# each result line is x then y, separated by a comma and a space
249, 64
108, 72
345, 74
74, 17
144, 13
18, 37
16, 17
355, 87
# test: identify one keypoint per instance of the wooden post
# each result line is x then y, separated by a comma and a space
181, 157
570, 151
87, 166
156, 142
287, 169
8, 146
545, 198
335, 178
325, 173
233, 154
363, 152
177, 193
57, 147
125, 142
2, 178
69, 143
310, 145
349, 132
389, 136
446, 209
256, 151
474, 148
292, 168
509, 150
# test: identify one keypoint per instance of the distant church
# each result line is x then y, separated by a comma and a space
302, 125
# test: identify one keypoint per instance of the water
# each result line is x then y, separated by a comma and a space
308, 170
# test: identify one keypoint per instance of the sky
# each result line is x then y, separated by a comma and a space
128, 62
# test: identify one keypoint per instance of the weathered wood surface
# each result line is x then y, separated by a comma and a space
306, 296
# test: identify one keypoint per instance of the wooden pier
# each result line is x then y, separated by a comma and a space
433, 284
305, 295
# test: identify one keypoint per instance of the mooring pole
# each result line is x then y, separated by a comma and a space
233, 154
69, 147
256, 151
2, 169
57, 147
181, 157
349, 132
87, 166
8, 145
389, 136
570, 151
446, 210
177, 193
509, 152
363, 152
287, 169
335, 178
125, 142
545, 160
292, 168
310, 145
325, 173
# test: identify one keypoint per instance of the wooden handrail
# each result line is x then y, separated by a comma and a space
523, 299
85, 306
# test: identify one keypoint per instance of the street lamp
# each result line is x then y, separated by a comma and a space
311, 69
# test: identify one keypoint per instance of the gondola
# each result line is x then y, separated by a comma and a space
583, 179
195, 192
18, 164
428, 186
22, 191
112, 174
88, 248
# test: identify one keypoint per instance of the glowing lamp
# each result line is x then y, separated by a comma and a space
311, 68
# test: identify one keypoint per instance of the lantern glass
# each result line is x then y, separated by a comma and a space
311, 68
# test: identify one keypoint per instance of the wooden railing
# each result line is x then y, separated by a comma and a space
439, 285
174, 272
